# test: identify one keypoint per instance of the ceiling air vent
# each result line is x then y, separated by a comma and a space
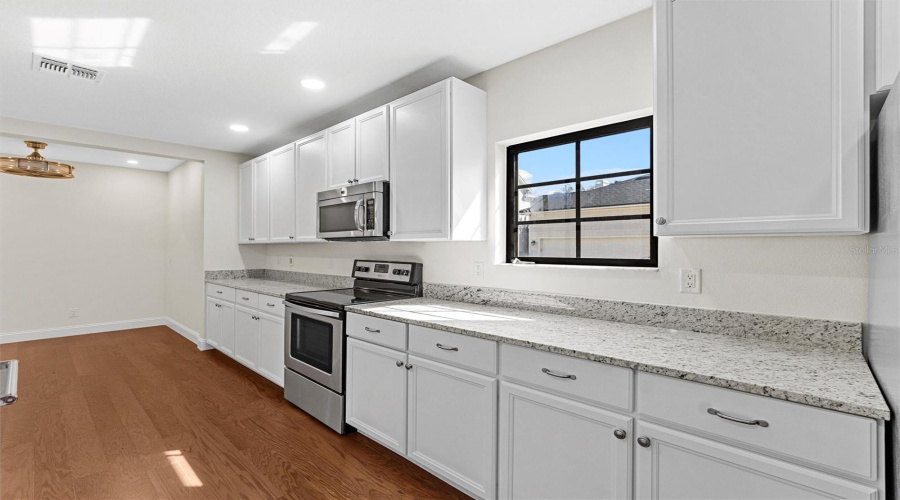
59, 66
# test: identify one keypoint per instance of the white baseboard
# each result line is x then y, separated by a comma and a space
112, 326
68, 331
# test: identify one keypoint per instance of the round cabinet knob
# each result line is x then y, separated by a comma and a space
408, 366
661, 221
619, 434
644, 442
399, 363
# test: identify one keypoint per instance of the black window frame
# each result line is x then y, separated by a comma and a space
513, 187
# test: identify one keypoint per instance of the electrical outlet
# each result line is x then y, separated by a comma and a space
690, 281
73, 313
479, 270
291, 261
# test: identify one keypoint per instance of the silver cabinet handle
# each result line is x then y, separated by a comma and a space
349, 181
713, 411
245, 298
557, 375
446, 348
644, 442
620, 434
408, 366
661, 221
399, 363
270, 305
372, 330
218, 291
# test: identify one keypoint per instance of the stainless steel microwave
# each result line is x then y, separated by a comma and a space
353, 213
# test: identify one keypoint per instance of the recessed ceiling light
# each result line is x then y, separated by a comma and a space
239, 128
312, 84
132, 162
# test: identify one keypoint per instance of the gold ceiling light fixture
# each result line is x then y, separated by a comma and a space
35, 165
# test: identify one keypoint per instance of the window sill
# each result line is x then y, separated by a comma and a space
568, 266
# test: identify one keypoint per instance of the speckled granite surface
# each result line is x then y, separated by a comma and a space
823, 377
273, 288
801, 331
235, 274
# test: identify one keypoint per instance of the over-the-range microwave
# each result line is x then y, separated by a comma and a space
353, 213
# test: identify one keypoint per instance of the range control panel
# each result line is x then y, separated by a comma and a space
400, 272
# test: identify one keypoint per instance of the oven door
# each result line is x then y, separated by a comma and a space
351, 217
314, 345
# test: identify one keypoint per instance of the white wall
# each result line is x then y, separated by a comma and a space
96, 243
220, 180
601, 74
184, 250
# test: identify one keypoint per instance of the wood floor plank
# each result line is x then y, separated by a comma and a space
17, 472
144, 414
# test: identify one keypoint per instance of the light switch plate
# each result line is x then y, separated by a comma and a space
690, 281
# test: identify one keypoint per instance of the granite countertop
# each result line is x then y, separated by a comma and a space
275, 288
827, 378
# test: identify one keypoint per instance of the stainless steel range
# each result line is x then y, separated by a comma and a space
315, 337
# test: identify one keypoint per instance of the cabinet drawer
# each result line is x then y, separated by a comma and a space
588, 380
378, 331
247, 299
468, 352
815, 436
271, 305
220, 292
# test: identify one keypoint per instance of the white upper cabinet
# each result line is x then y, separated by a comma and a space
245, 217
372, 159
342, 154
311, 163
760, 120
437, 163
887, 42
261, 200
283, 195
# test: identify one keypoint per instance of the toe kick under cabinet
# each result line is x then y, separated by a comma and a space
503, 421
248, 327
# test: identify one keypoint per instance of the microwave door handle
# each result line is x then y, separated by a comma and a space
359, 225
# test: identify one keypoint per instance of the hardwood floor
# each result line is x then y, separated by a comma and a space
144, 414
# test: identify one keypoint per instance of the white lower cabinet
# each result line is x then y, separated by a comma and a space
246, 336
452, 425
553, 447
271, 348
376, 393
678, 465
220, 325
252, 333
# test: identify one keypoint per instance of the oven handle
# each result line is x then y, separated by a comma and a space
359, 226
310, 311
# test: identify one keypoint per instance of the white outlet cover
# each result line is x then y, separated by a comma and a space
690, 281
479, 269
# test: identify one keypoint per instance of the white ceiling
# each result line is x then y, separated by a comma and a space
183, 71
13, 146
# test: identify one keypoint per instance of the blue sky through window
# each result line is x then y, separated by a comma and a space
603, 155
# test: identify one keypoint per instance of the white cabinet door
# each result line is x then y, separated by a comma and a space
261, 199
312, 165
245, 193
342, 154
678, 465
213, 322
271, 348
420, 164
551, 447
760, 134
452, 425
246, 336
887, 42
372, 160
283, 195
376, 393
226, 337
